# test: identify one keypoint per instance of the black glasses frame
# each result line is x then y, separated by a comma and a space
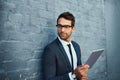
61, 26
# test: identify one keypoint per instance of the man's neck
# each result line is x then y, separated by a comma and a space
64, 40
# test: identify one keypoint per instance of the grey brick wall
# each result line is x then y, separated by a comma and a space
27, 26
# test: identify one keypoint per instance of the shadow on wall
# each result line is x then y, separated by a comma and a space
1, 18
2, 46
51, 30
50, 35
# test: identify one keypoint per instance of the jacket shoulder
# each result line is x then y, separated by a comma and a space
52, 44
75, 43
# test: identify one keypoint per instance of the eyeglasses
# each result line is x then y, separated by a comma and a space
61, 26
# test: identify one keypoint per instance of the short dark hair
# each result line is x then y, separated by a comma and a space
68, 16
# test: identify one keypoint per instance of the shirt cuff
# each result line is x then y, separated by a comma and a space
72, 76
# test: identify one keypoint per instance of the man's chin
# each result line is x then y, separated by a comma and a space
63, 38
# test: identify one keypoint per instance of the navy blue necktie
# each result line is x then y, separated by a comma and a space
69, 46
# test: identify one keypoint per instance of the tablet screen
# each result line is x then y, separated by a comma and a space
93, 57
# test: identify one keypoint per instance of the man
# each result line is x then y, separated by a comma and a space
62, 57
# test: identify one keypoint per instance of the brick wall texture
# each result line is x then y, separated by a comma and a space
27, 26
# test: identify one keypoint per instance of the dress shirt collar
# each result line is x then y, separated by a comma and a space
64, 42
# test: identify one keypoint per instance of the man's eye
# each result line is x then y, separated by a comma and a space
65, 26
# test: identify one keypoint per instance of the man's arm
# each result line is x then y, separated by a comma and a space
49, 66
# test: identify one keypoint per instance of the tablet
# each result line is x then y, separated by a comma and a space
93, 57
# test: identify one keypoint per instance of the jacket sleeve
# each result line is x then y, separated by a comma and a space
49, 66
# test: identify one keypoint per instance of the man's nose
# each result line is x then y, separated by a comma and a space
62, 29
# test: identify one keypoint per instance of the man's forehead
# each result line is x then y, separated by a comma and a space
64, 21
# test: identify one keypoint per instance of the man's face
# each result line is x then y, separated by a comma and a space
65, 29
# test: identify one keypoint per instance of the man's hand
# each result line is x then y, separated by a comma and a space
81, 72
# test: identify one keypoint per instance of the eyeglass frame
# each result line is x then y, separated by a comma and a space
65, 26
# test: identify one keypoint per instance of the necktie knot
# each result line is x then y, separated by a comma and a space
69, 46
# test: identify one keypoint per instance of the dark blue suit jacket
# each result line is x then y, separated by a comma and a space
56, 65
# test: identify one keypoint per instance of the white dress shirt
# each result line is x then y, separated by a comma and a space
65, 46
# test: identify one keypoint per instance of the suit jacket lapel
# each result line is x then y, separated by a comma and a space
64, 54
78, 53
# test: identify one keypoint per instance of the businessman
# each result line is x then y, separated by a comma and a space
62, 57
